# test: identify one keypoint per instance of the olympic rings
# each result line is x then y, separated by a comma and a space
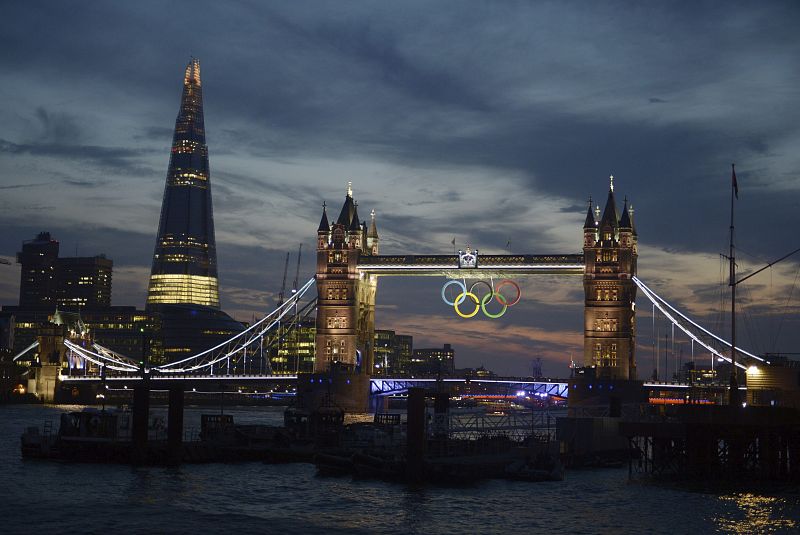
461, 298
448, 283
480, 303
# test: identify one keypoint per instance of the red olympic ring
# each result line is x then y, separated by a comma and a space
504, 283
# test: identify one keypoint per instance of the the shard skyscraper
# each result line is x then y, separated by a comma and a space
185, 259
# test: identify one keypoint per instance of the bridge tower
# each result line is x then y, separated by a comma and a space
610, 247
345, 302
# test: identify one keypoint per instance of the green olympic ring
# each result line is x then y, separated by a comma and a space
488, 297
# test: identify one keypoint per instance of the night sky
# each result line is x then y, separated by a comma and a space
487, 122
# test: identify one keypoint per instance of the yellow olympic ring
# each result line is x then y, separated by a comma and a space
461, 298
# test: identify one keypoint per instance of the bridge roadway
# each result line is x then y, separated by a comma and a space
379, 386
384, 386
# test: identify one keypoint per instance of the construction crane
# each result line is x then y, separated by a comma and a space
283, 284
297, 271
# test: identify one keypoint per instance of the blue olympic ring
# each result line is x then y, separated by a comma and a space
446, 285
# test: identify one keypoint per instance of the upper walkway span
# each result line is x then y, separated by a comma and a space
487, 265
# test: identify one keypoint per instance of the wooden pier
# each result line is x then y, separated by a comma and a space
715, 443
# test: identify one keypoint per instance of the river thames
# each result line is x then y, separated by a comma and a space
52, 497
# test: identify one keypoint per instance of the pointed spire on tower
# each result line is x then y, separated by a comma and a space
373, 228
630, 216
346, 215
324, 226
590, 221
610, 217
625, 219
355, 224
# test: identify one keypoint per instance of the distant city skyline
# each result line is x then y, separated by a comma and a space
488, 125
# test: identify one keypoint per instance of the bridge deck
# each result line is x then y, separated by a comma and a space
488, 265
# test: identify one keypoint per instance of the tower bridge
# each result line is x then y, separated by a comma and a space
349, 265
348, 269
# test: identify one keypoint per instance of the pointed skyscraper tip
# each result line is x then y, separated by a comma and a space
192, 75
324, 226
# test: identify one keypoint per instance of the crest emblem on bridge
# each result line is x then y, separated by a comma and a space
468, 259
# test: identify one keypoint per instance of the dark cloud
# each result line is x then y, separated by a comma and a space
161, 134
58, 127
21, 186
85, 183
119, 158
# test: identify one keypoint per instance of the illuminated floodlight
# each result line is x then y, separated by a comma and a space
520, 393
752, 370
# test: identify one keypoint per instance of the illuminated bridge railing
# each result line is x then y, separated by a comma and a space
379, 386
714, 344
388, 387
447, 265
169, 378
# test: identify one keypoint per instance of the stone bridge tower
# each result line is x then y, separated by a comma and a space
610, 250
345, 299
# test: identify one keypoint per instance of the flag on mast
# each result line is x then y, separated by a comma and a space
733, 180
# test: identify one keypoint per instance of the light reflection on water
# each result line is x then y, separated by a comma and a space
756, 514
275, 498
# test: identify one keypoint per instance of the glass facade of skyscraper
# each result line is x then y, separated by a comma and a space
184, 267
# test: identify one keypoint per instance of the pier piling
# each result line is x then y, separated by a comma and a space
175, 424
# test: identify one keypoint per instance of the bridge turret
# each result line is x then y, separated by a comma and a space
372, 236
590, 227
609, 314
609, 222
625, 228
355, 232
324, 230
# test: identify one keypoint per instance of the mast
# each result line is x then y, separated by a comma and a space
283, 284
733, 396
